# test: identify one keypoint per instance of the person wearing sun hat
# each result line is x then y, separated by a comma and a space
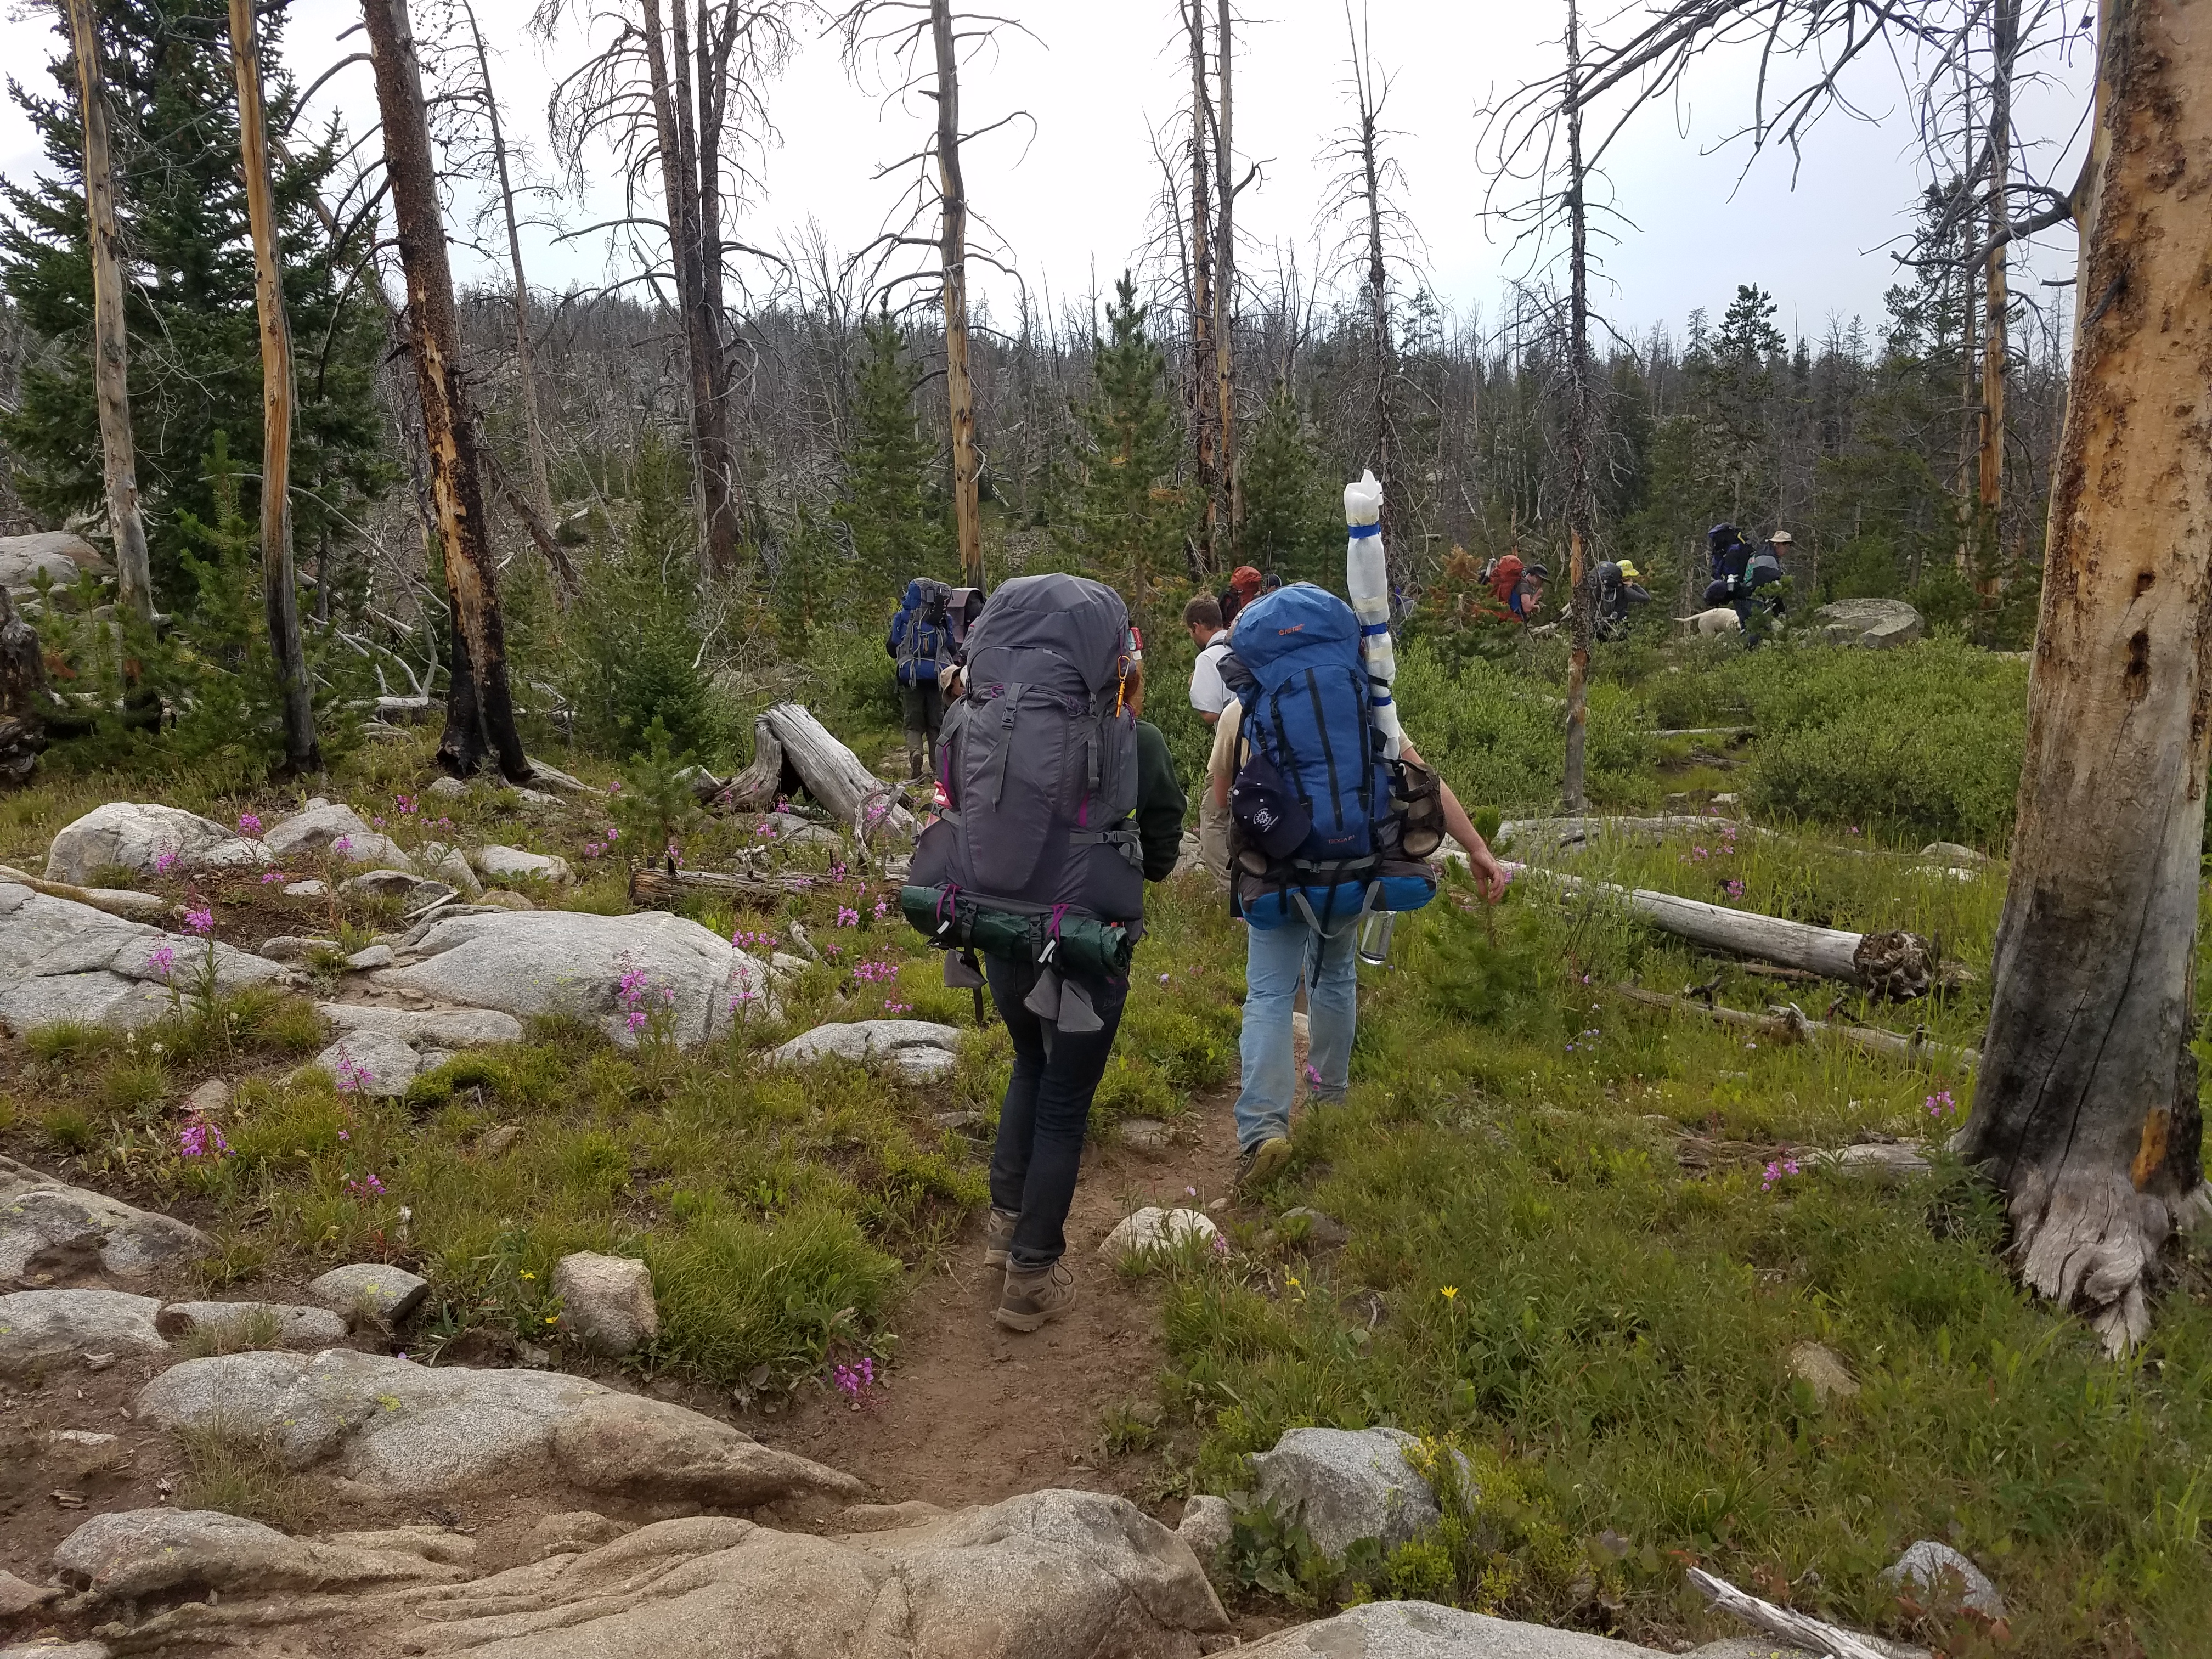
1618, 586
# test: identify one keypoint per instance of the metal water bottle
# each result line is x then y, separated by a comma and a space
1375, 929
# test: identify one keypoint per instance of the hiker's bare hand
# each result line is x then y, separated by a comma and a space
1489, 873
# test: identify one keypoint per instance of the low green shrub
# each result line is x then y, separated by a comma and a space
1921, 743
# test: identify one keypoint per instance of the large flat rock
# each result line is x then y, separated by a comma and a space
408, 1428
324, 829
1422, 1630
144, 837
918, 1050
134, 1553
543, 961
1872, 624
1049, 1575
51, 1230
61, 960
45, 1328
58, 554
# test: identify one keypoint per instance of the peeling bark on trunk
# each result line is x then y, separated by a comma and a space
952, 253
2086, 1112
280, 594
111, 350
479, 711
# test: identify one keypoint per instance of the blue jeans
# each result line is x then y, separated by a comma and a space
1046, 1108
1275, 959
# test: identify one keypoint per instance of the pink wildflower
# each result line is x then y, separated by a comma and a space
248, 824
201, 921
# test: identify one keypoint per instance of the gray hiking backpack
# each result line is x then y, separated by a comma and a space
1038, 759
1035, 855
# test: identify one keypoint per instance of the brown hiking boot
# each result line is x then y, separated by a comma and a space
1029, 1299
999, 1236
1261, 1162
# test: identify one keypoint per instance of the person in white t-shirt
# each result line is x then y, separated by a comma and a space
1209, 696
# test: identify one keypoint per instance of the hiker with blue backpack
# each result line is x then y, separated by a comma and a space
919, 642
1061, 804
1333, 818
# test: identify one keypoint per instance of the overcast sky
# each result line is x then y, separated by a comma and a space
1070, 192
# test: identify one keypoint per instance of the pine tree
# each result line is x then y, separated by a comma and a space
195, 363
1293, 526
639, 625
1128, 519
898, 531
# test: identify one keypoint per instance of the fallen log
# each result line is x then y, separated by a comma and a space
831, 774
1707, 731
400, 711
123, 902
756, 788
1896, 965
1796, 1630
1790, 1024
649, 886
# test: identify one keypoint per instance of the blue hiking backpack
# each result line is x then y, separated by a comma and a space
1319, 809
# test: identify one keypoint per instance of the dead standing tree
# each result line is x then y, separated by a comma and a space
111, 348
279, 593
1582, 497
1204, 382
2086, 1113
1375, 233
690, 111
479, 712
895, 31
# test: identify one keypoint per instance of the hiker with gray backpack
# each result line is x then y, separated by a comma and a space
1332, 819
1061, 804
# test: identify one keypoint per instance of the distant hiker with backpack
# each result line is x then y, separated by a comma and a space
919, 644
1245, 584
1209, 696
1330, 830
1619, 585
1061, 804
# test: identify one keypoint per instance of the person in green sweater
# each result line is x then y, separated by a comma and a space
1046, 1109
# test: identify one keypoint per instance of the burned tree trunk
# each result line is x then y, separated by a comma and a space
280, 594
952, 254
479, 711
110, 350
2086, 1112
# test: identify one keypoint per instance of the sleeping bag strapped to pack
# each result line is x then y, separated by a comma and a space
1320, 814
1037, 852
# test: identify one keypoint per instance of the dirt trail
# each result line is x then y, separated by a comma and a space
969, 1412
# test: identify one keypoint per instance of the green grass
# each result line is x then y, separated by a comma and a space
1536, 1273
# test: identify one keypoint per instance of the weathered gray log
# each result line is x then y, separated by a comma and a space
651, 886
130, 905
1797, 1630
833, 775
398, 711
754, 789
1894, 964
1707, 732
1789, 1025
